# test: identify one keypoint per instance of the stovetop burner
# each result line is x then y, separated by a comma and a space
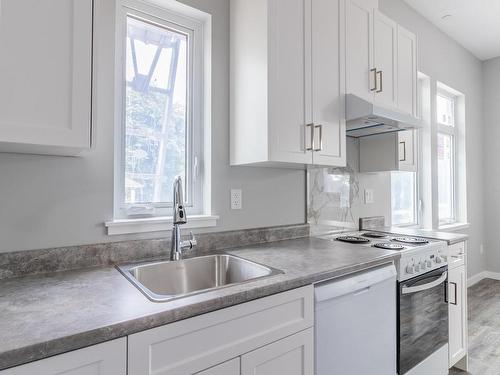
389, 246
374, 235
352, 239
411, 240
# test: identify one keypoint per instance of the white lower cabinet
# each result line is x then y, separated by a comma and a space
198, 344
107, 358
293, 355
457, 305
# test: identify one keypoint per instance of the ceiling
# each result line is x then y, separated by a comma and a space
475, 24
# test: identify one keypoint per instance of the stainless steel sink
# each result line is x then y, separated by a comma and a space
165, 281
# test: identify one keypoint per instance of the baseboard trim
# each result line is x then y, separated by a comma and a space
481, 276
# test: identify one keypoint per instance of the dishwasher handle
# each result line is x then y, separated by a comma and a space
335, 288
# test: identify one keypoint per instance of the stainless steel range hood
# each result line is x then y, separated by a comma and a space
365, 118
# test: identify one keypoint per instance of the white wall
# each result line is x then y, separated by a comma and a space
55, 201
491, 95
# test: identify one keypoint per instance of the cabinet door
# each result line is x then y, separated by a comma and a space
384, 40
457, 297
289, 80
407, 71
360, 79
227, 368
328, 77
108, 358
407, 155
45, 70
291, 356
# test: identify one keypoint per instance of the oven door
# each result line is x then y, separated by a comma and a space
423, 317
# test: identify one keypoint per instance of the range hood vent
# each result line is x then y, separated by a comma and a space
365, 118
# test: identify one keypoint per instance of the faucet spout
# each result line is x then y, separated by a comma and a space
179, 218
179, 214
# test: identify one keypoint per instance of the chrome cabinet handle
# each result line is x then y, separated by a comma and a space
380, 74
404, 151
374, 71
320, 148
455, 294
311, 148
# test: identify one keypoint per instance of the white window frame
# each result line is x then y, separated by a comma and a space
452, 131
196, 24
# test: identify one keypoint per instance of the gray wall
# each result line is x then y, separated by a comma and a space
55, 201
491, 85
444, 60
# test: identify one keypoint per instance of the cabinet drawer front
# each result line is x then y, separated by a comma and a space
107, 358
197, 343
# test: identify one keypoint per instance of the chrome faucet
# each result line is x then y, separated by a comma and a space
179, 218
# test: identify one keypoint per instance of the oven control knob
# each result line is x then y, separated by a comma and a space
428, 263
423, 265
417, 268
439, 259
410, 269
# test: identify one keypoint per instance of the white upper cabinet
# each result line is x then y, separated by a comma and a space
287, 86
384, 50
287, 83
328, 83
360, 78
45, 70
381, 58
388, 152
406, 77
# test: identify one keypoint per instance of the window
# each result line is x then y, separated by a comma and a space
161, 112
446, 158
445, 108
445, 178
404, 198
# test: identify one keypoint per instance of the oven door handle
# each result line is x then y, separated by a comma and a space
419, 288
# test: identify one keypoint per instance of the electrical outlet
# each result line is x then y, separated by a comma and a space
369, 196
236, 196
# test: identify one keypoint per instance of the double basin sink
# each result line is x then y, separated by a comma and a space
169, 280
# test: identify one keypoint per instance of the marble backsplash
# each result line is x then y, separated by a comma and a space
331, 196
20, 263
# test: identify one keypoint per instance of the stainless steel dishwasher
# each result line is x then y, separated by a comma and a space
356, 325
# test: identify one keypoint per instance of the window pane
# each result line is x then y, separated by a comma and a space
403, 198
445, 177
155, 112
445, 110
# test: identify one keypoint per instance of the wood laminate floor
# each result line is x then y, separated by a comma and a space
484, 329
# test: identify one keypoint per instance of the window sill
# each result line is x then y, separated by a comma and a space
453, 227
156, 224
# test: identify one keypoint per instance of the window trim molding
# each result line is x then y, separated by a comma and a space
164, 13
454, 132
459, 159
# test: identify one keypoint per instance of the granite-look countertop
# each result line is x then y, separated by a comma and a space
45, 315
450, 237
